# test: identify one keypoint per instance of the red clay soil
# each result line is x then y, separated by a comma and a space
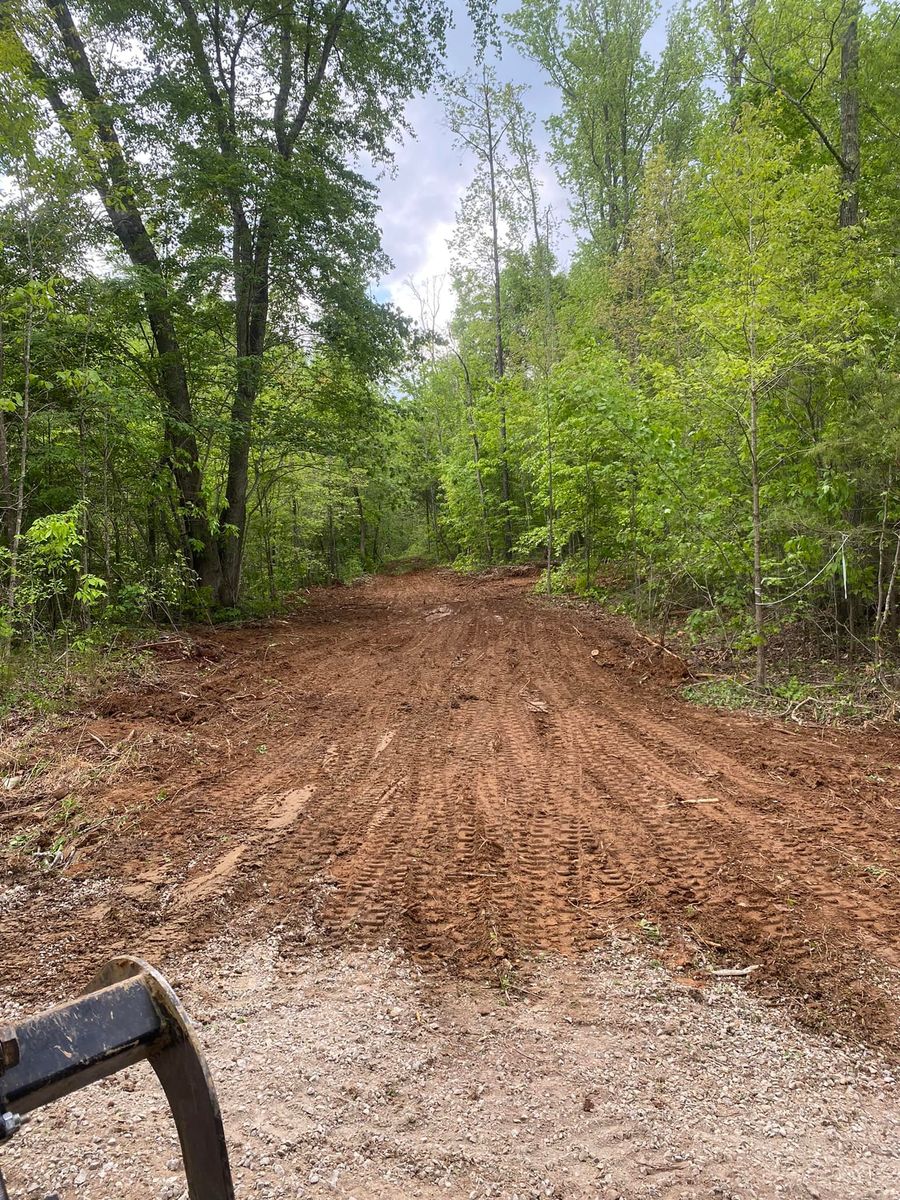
442, 760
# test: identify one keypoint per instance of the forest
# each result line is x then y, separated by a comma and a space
679, 396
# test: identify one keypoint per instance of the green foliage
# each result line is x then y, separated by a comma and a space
724, 338
696, 419
618, 104
720, 693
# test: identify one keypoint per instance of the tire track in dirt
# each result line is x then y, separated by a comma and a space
711, 874
788, 851
440, 760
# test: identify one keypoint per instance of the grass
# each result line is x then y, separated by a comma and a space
49, 841
811, 679
650, 930
840, 699
719, 693
880, 874
46, 784
57, 675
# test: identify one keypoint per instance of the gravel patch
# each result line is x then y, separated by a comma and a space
354, 1075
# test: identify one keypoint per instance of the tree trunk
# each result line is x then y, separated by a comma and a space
504, 486
886, 608
362, 526
468, 405
151, 535
6, 521
428, 502
499, 350
107, 559
332, 548
499, 361
295, 530
738, 34
83, 471
265, 513
18, 515
850, 117
758, 606
542, 264
549, 500
112, 178
251, 273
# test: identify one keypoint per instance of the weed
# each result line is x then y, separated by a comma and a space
69, 808
790, 697
719, 693
879, 874
24, 841
55, 674
791, 689
47, 842
507, 981
650, 930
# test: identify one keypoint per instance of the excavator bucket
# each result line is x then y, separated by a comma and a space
129, 1013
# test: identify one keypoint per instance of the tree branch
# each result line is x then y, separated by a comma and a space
312, 86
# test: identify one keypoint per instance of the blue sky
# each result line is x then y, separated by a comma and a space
419, 199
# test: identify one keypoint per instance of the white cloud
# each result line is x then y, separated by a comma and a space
430, 276
419, 199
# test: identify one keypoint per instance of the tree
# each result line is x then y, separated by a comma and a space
260, 198
65, 75
617, 104
481, 115
810, 61
765, 300
286, 96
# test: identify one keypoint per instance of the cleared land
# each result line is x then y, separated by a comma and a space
444, 765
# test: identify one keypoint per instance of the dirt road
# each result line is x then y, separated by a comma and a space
444, 762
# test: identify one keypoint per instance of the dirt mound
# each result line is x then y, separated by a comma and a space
481, 776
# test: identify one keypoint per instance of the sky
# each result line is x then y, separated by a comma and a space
420, 197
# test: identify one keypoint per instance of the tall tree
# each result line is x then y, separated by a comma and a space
55, 55
231, 136
849, 105
766, 304
811, 60
617, 103
287, 96
481, 115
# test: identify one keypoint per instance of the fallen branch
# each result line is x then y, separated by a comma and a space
163, 644
732, 972
706, 941
665, 650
